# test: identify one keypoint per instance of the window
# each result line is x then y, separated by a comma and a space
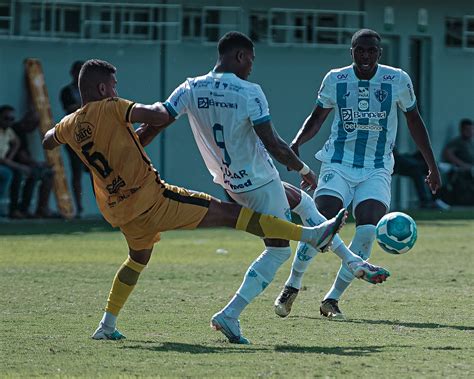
453, 33
306, 27
5, 18
258, 24
219, 20
459, 32
192, 24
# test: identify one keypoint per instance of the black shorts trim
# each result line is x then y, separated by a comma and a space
186, 199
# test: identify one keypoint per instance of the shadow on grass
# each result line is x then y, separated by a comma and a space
191, 348
357, 351
419, 325
53, 226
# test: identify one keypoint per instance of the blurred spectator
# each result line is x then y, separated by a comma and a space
71, 100
414, 167
15, 169
40, 172
9, 144
459, 153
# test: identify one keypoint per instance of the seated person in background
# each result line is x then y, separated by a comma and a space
9, 144
40, 172
414, 166
459, 152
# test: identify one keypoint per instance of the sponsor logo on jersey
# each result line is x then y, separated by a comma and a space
178, 96
410, 91
217, 94
327, 177
259, 104
349, 127
116, 184
342, 76
83, 131
388, 77
380, 95
205, 103
201, 83
363, 105
364, 93
346, 114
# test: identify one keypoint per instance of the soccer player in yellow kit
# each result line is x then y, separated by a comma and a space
130, 193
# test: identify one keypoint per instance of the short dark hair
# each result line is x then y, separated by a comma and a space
6, 108
232, 40
364, 33
94, 72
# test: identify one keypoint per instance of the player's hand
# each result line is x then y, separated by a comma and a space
308, 181
433, 179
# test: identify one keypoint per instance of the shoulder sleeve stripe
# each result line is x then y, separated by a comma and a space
129, 110
170, 109
319, 103
261, 120
412, 107
55, 136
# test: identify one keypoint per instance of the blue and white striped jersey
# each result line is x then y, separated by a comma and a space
364, 128
223, 110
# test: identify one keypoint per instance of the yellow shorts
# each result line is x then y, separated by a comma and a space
177, 208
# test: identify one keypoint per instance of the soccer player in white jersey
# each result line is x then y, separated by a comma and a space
357, 160
230, 120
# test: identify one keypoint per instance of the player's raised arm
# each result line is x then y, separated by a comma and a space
153, 119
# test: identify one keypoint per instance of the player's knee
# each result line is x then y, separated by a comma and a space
279, 254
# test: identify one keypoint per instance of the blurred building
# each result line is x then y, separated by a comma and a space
157, 44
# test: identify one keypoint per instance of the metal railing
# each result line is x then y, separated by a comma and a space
311, 27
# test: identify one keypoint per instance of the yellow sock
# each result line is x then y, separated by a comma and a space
123, 285
267, 226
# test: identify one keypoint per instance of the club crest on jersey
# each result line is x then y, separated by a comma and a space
381, 95
363, 93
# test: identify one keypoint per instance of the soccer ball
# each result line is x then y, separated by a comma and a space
396, 233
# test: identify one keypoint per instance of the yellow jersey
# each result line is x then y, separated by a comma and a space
125, 182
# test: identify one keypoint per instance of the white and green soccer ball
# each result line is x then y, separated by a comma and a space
396, 233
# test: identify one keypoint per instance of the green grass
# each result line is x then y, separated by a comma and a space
55, 278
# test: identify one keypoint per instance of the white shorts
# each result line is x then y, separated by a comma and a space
353, 184
268, 199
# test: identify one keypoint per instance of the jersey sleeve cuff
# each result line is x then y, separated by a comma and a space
412, 107
261, 120
55, 137
322, 105
129, 112
170, 109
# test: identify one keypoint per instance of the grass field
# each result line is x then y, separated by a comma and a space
55, 278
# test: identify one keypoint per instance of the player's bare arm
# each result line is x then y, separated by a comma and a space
154, 114
49, 142
280, 150
146, 132
311, 127
420, 136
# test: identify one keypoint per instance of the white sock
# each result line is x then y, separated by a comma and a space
108, 322
258, 276
361, 245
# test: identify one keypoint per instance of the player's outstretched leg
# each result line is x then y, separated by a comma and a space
124, 282
368, 272
324, 233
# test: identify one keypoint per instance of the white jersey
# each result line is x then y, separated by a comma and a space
222, 111
365, 123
